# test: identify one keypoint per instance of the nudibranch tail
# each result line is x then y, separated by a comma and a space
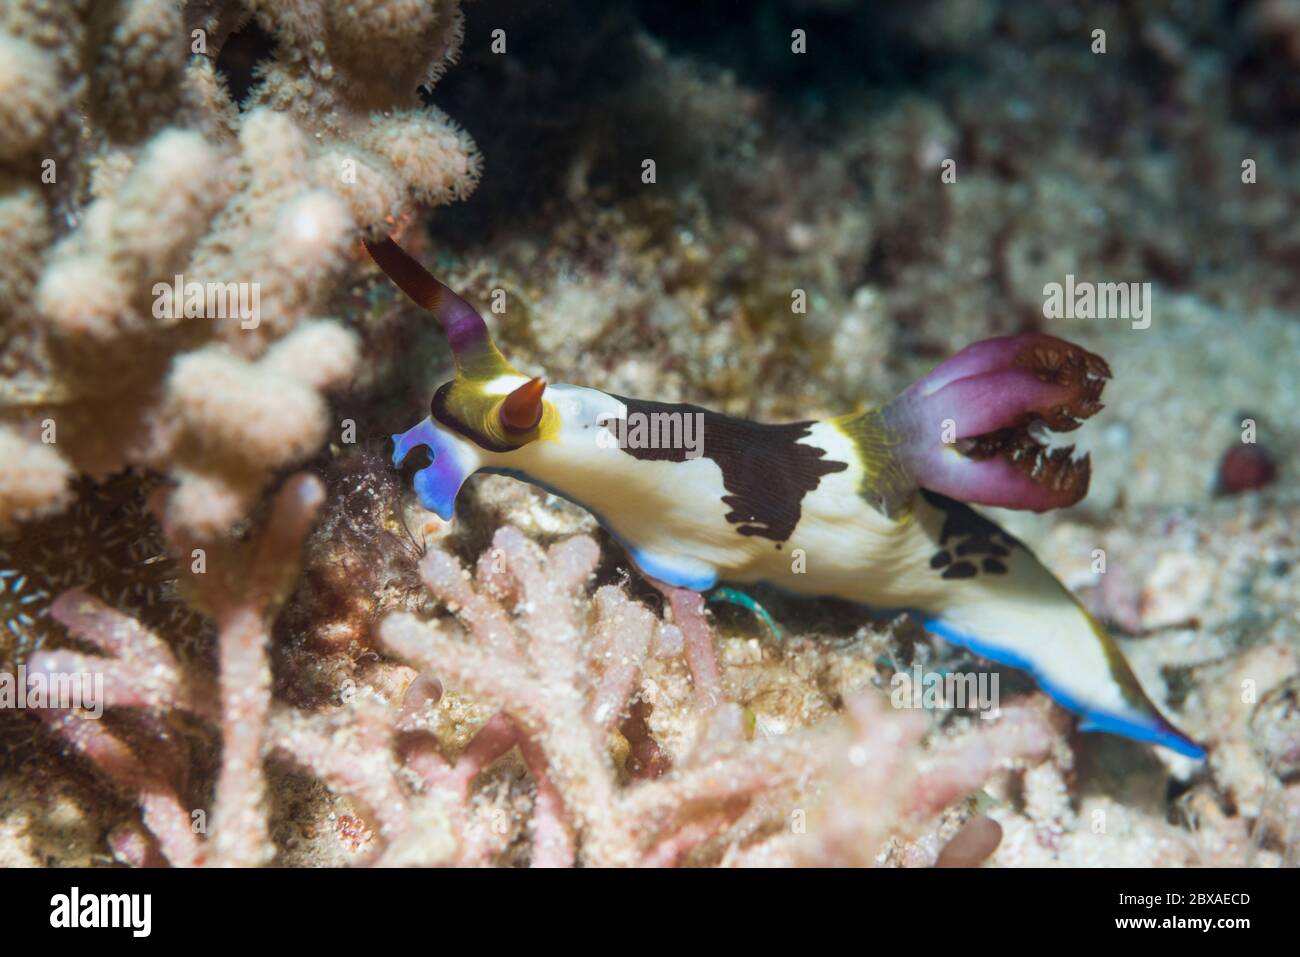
1000, 602
966, 430
1115, 704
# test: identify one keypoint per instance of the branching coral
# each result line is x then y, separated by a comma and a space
129, 176
165, 188
242, 588
561, 681
379, 148
127, 173
142, 673
568, 684
33, 480
562, 688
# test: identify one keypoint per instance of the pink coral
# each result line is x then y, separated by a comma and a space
242, 589
562, 688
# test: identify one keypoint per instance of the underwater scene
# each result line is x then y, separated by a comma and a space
788, 433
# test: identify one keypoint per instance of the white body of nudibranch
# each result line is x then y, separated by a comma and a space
739, 502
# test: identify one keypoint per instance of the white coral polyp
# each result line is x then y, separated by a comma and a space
437, 160
275, 150
313, 225
240, 411
364, 24
80, 297
319, 353
33, 479
365, 182
166, 202
30, 100
207, 504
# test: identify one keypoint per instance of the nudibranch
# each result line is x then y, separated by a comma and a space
869, 507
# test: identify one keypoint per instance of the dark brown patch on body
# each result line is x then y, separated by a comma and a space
972, 535
766, 470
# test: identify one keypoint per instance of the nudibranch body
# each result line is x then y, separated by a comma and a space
862, 507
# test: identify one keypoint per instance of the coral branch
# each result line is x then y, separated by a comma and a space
561, 686
242, 587
244, 615
166, 818
690, 617
546, 686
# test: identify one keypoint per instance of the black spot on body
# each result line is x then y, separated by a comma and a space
982, 546
976, 535
766, 470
